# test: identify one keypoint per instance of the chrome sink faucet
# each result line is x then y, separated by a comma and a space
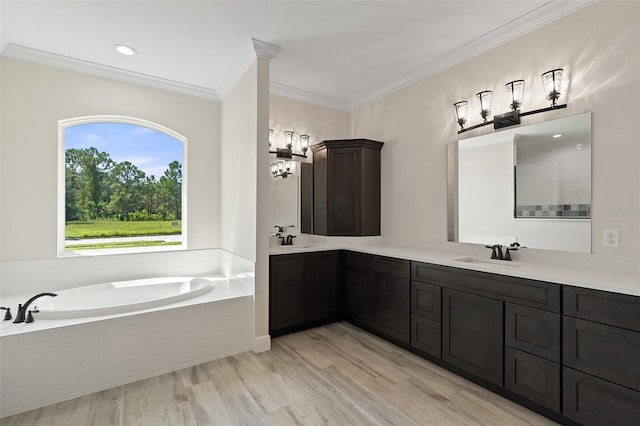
22, 315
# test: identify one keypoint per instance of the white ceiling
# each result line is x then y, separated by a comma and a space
335, 53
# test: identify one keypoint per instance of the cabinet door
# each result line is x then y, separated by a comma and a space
472, 334
535, 378
393, 307
360, 296
592, 401
288, 279
344, 182
608, 352
322, 291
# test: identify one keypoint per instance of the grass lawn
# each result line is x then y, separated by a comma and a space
129, 244
113, 228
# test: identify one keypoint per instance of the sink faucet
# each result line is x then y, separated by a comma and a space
497, 253
22, 309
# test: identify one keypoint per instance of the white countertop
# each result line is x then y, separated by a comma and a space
616, 282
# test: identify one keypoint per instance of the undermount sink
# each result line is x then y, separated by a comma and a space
489, 263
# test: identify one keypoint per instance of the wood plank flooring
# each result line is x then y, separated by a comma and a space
336, 374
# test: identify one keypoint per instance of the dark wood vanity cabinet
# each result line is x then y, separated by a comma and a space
570, 353
346, 187
303, 290
601, 357
472, 330
501, 329
378, 295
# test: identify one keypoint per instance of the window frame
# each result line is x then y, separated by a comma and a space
63, 125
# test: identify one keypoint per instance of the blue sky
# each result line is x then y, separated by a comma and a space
151, 151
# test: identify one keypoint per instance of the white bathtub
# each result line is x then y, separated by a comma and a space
119, 297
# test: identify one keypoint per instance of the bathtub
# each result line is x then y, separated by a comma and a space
120, 297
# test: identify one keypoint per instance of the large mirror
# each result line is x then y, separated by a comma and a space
530, 184
286, 201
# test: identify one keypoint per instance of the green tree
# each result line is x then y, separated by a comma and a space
170, 192
149, 196
126, 189
93, 168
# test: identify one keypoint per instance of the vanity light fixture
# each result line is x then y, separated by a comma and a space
123, 49
289, 139
282, 169
485, 98
551, 81
461, 113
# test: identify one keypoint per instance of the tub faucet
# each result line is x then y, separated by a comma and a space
22, 309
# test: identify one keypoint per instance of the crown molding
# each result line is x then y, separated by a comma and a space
309, 97
264, 50
543, 15
252, 50
53, 60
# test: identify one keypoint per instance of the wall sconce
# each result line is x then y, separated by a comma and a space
282, 169
551, 80
288, 150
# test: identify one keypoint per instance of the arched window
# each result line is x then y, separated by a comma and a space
122, 186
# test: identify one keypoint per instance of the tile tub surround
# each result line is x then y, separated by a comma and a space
597, 279
50, 361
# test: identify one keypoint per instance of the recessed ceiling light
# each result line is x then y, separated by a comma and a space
125, 50
557, 135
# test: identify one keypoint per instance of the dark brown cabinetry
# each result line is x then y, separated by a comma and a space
579, 363
378, 295
532, 354
346, 187
472, 334
303, 290
426, 301
600, 354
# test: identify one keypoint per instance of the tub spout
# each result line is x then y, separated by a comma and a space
22, 309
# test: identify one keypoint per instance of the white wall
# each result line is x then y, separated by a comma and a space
238, 162
601, 55
245, 201
35, 97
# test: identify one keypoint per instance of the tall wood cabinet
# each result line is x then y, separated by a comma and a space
346, 187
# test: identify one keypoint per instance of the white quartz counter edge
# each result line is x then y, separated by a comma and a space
616, 282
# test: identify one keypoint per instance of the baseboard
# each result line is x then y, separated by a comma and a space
262, 344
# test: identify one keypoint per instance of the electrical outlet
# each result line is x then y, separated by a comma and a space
611, 238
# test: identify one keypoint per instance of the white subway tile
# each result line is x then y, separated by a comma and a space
13, 341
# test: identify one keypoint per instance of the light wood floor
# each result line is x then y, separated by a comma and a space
336, 374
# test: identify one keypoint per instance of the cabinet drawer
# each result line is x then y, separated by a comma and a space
425, 300
532, 377
601, 306
607, 352
359, 260
592, 401
392, 266
425, 335
536, 294
533, 331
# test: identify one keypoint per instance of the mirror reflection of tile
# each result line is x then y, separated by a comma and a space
568, 211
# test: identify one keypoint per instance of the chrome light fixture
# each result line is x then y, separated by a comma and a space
288, 150
551, 80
